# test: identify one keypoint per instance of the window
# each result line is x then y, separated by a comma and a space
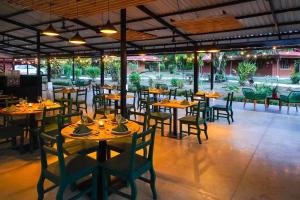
284, 63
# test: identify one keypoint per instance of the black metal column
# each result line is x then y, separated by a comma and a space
48, 70
73, 68
101, 70
196, 72
212, 71
123, 62
38, 69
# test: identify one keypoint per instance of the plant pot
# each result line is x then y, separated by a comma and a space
274, 95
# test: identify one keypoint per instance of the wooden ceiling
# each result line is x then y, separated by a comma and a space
209, 24
132, 35
68, 8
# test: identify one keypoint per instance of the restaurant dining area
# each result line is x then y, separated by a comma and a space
149, 99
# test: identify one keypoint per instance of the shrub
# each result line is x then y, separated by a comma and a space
67, 70
151, 82
135, 79
245, 70
295, 77
93, 72
77, 72
231, 87
173, 69
177, 83
263, 89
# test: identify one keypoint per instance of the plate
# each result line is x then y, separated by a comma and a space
123, 122
119, 133
82, 134
87, 124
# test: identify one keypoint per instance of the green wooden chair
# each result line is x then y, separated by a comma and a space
129, 166
224, 111
251, 95
57, 95
71, 147
66, 171
11, 133
124, 144
162, 118
195, 121
81, 99
101, 106
293, 98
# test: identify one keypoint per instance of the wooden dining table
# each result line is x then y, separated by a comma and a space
31, 110
116, 98
68, 91
175, 105
156, 92
101, 135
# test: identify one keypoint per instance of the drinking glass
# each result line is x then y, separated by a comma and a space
39, 99
84, 119
106, 113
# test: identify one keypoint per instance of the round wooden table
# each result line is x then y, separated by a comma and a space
102, 135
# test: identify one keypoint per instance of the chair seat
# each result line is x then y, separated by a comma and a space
75, 165
102, 109
160, 115
220, 107
120, 146
120, 164
129, 105
80, 146
190, 120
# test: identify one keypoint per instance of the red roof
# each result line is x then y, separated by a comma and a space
144, 58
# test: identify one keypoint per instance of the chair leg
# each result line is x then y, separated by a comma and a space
170, 126
189, 129
218, 113
231, 115
245, 102
180, 130
162, 128
205, 131
288, 110
296, 107
133, 190
60, 193
40, 188
198, 134
227, 113
254, 104
152, 183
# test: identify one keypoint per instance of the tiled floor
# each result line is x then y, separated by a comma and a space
255, 158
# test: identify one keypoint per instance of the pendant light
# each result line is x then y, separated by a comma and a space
108, 28
77, 39
50, 30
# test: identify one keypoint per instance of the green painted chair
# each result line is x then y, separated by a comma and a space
57, 95
71, 147
195, 121
66, 171
81, 99
124, 144
224, 111
129, 166
101, 106
11, 133
293, 98
251, 95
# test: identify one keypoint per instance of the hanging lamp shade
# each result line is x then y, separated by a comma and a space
50, 31
77, 39
108, 28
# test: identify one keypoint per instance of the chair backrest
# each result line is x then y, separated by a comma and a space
46, 149
99, 101
188, 95
97, 90
229, 100
143, 141
172, 92
81, 94
50, 117
294, 96
66, 119
248, 92
201, 107
56, 90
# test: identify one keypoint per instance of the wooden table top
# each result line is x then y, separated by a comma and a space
101, 134
4, 97
175, 104
67, 90
109, 87
117, 97
157, 91
27, 109
213, 95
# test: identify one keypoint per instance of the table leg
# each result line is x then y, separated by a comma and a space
101, 157
116, 107
280, 104
175, 122
33, 141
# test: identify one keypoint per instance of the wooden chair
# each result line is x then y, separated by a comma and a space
66, 171
81, 99
101, 106
251, 95
293, 98
129, 166
224, 111
195, 121
57, 95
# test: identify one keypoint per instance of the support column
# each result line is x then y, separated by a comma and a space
73, 68
48, 70
101, 70
38, 68
196, 72
212, 71
123, 62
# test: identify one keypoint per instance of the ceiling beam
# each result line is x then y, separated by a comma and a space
17, 46
275, 20
165, 23
15, 52
17, 13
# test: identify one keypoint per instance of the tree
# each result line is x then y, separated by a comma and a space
93, 72
245, 70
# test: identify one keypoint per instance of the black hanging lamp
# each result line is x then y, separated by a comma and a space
77, 39
50, 30
108, 28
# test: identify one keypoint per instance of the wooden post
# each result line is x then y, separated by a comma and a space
73, 68
48, 70
38, 72
196, 72
212, 71
123, 69
101, 69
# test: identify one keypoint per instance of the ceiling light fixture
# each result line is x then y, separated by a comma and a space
50, 30
77, 39
108, 28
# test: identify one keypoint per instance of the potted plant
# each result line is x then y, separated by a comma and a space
274, 92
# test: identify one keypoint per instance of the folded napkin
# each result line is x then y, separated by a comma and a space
185, 102
11, 108
81, 129
89, 120
165, 100
120, 128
